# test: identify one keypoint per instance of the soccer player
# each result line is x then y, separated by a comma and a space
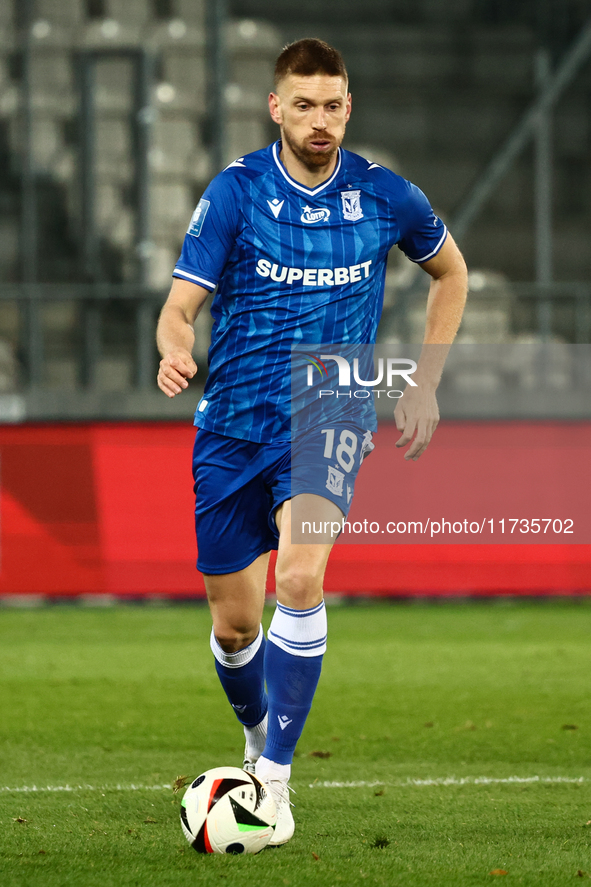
293, 239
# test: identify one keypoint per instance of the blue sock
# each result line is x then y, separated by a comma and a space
293, 660
242, 676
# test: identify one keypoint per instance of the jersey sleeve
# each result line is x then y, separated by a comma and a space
422, 233
211, 233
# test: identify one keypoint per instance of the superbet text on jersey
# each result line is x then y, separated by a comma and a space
293, 265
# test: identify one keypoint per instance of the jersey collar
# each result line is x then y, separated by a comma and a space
297, 185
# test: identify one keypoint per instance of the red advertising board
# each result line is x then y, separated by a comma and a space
107, 508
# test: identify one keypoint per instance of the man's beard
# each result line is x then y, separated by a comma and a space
312, 160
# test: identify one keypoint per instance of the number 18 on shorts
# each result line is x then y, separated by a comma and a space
324, 463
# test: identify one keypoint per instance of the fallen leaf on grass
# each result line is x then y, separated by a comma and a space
149, 819
315, 855
378, 793
43, 851
499, 872
320, 754
569, 727
20, 819
179, 783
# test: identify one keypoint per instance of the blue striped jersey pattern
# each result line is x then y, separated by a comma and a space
292, 265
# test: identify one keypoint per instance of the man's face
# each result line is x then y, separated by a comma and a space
312, 112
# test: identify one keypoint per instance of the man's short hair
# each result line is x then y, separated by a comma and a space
308, 57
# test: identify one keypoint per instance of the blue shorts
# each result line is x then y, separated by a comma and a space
240, 484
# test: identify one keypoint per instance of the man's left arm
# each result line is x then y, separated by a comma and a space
417, 413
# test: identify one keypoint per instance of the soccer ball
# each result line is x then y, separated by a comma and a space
227, 810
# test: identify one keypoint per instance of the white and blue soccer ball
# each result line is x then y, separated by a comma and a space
227, 810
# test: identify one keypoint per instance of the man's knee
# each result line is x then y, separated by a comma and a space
233, 637
299, 585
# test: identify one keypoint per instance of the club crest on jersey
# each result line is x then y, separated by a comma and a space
334, 481
351, 205
310, 215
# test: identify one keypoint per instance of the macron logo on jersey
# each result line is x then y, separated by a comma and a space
313, 276
275, 206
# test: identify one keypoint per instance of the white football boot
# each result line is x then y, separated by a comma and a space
275, 777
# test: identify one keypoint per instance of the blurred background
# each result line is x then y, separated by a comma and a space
115, 114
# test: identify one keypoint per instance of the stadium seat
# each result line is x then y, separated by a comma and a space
171, 207
253, 47
113, 148
52, 82
175, 32
109, 33
47, 142
9, 93
245, 134
67, 13
53, 35
7, 35
163, 257
136, 13
174, 141
114, 85
191, 11
184, 69
109, 203
114, 220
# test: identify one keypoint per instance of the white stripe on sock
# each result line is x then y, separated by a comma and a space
299, 632
240, 658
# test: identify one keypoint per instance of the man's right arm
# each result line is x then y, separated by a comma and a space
175, 335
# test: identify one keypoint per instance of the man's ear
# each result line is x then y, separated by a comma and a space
348, 108
275, 108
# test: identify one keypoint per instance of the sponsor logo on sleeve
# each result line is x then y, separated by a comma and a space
198, 218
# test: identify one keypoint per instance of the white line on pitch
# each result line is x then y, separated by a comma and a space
23, 789
449, 780
402, 783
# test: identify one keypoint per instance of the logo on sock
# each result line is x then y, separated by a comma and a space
284, 721
240, 708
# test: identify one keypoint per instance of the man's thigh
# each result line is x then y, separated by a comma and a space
232, 503
325, 464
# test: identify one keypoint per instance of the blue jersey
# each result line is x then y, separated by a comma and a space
293, 265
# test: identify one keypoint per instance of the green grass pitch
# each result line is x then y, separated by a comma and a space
102, 709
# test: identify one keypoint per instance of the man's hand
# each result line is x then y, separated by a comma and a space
416, 415
175, 368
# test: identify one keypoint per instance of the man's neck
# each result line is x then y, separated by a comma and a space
311, 178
